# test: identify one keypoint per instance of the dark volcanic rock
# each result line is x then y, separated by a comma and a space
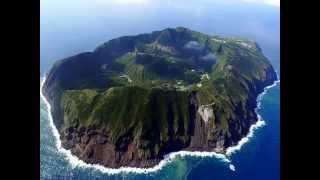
137, 98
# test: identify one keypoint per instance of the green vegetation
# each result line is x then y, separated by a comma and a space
142, 85
138, 108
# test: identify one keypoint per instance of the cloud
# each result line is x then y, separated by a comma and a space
267, 2
210, 56
125, 2
173, 2
193, 45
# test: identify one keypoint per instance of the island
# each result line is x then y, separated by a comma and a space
135, 99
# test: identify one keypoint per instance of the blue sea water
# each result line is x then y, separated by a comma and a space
81, 26
258, 159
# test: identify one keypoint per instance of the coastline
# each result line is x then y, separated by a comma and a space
76, 162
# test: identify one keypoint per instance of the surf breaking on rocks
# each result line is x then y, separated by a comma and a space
76, 162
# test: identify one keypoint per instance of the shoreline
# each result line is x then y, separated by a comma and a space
76, 162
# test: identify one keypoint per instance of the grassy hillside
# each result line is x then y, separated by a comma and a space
148, 88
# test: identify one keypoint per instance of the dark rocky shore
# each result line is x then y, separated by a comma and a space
212, 117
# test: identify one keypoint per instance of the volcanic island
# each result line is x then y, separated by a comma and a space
135, 99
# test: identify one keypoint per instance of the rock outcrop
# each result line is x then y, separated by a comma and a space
137, 98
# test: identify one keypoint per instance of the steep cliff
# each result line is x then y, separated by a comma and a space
136, 98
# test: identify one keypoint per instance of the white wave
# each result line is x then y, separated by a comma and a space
76, 162
231, 166
244, 140
259, 123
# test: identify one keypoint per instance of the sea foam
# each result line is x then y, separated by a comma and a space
231, 166
253, 127
76, 162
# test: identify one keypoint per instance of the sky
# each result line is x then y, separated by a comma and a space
148, 2
73, 26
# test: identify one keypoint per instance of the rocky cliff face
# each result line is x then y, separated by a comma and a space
136, 98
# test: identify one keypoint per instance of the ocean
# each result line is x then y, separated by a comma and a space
82, 25
258, 158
